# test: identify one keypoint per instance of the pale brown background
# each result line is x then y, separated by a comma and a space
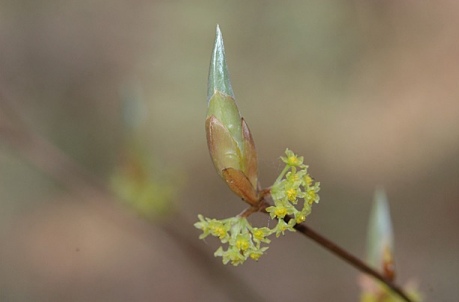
367, 91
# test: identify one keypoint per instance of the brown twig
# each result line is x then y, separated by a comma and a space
349, 258
343, 254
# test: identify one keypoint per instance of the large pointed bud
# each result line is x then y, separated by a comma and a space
228, 137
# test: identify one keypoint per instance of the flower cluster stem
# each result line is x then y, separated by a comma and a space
282, 174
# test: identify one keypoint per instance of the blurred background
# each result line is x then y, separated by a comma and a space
113, 93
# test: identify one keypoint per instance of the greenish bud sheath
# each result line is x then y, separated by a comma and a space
224, 109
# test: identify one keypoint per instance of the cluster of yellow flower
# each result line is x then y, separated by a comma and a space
245, 241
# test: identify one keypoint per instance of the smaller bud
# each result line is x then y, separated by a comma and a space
380, 255
380, 248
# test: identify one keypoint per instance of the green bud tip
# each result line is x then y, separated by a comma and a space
219, 79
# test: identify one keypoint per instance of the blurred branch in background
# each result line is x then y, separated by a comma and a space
63, 170
44, 155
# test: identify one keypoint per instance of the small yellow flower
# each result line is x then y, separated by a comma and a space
300, 218
258, 234
292, 159
311, 195
292, 177
242, 243
292, 194
218, 228
256, 255
280, 211
219, 231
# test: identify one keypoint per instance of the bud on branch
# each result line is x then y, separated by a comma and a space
229, 140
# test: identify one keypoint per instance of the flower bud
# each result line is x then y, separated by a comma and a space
228, 137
